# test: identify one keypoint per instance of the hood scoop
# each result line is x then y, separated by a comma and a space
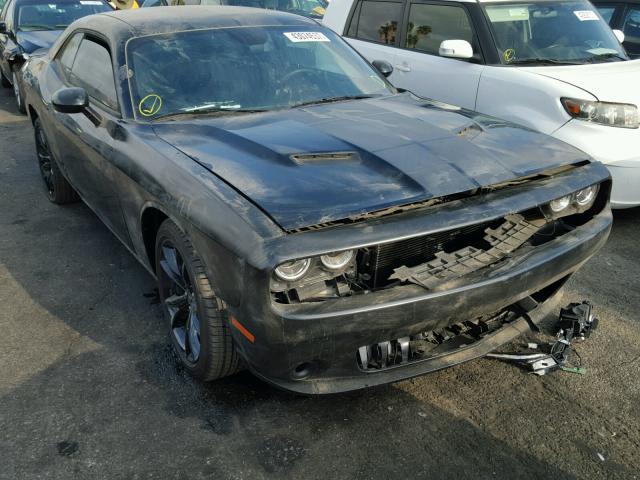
322, 157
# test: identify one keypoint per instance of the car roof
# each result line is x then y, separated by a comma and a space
617, 2
123, 24
44, 2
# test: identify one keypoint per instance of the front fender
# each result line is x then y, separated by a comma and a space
525, 98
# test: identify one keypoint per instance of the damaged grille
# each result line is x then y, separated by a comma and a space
378, 263
504, 239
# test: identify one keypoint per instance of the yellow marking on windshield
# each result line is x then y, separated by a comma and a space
509, 55
150, 105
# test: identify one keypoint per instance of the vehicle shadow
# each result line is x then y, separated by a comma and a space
122, 408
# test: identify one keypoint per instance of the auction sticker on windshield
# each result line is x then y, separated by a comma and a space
586, 15
306, 37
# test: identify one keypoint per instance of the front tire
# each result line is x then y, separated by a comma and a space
58, 189
198, 319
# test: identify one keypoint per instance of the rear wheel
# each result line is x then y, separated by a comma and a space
198, 319
58, 189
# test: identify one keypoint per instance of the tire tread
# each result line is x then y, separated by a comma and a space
223, 359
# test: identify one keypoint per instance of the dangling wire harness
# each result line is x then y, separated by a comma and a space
576, 322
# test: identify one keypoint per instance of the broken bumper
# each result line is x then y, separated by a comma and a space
313, 349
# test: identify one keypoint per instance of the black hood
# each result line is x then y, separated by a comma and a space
36, 39
312, 165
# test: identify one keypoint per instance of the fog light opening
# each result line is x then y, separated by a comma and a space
302, 371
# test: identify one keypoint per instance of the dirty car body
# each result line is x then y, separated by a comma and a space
408, 235
30, 25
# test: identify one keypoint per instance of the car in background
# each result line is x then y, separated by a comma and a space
297, 211
623, 15
551, 65
307, 8
29, 25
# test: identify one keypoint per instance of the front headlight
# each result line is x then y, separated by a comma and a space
577, 202
560, 204
293, 270
337, 260
612, 114
586, 196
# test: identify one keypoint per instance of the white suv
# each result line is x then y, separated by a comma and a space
552, 65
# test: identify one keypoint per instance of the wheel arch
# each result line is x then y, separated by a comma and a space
217, 260
151, 218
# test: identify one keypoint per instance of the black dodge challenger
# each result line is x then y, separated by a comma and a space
302, 217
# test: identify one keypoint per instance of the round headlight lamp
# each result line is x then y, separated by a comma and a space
587, 195
559, 204
337, 260
293, 270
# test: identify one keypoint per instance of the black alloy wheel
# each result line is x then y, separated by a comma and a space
198, 320
57, 188
180, 303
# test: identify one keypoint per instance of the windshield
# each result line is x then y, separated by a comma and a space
56, 16
552, 32
245, 68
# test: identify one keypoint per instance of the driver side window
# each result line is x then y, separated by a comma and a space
92, 70
68, 54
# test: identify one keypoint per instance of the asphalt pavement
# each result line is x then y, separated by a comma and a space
89, 387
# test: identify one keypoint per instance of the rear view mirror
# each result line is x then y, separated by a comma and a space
70, 100
456, 49
3, 28
619, 35
384, 67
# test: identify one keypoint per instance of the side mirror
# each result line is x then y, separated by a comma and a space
619, 35
384, 67
3, 28
456, 49
70, 100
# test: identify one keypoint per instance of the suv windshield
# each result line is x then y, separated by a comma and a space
56, 16
552, 32
245, 69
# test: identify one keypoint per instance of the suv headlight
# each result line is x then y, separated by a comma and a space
623, 115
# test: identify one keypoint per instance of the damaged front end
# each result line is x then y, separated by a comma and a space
432, 261
401, 295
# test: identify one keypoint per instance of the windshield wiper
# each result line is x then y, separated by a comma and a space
605, 56
542, 61
210, 111
331, 100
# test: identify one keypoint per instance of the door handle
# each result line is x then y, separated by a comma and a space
403, 67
